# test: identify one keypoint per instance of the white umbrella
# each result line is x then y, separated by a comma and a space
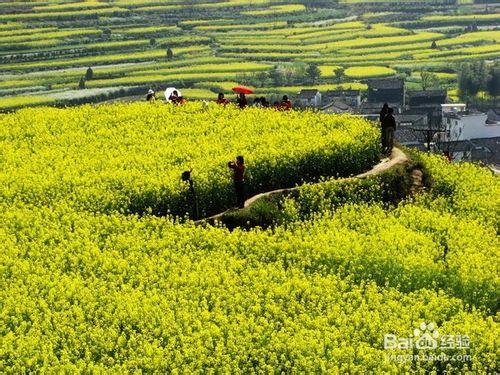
169, 91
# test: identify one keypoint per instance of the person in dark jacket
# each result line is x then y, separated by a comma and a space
238, 168
383, 112
174, 97
388, 129
264, 102
241, 101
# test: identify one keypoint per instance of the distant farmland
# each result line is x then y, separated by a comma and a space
46, 47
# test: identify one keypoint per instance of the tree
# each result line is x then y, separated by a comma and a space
493, 82
434, 45
471, 79
339, 74
481, 73
276, 76
152, 42
81, 84
170, 53
313, 73
429, 80
89, 74
262, 78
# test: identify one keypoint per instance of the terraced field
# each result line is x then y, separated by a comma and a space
47, 46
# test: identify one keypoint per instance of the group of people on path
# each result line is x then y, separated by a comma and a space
388, 127
174, 97
241, 100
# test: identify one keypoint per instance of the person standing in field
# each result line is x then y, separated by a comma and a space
241, 101
286, 104
383, 112
264, 102
388, 129
221, 99
238, 168
151, 96
174, 97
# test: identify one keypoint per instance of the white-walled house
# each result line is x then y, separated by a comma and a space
469, 135
467, 125
309, 98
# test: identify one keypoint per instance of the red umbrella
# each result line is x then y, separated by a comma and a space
242, 90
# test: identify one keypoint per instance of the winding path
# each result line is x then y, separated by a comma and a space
397, 157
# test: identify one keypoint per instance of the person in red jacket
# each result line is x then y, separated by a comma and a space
286, 104
238, 168
221, 99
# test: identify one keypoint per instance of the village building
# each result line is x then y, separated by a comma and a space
309, 98
470, 135
390, 90
337, 106
352, 98
427, 99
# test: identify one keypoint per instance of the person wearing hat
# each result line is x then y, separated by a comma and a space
150, 97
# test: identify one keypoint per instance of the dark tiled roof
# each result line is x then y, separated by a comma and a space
385, 83
490, 147
406, 136
343, 93
427, 94
368, 107
341, 105
337, 106
404, 117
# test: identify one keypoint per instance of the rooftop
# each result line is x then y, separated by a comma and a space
340, 105
343, 92
368, 107
427, 93
407, 136
308, 93
486, 149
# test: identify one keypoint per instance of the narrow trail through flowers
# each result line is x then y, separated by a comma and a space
397, 157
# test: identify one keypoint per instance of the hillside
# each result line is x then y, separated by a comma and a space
94, 278
46, 47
